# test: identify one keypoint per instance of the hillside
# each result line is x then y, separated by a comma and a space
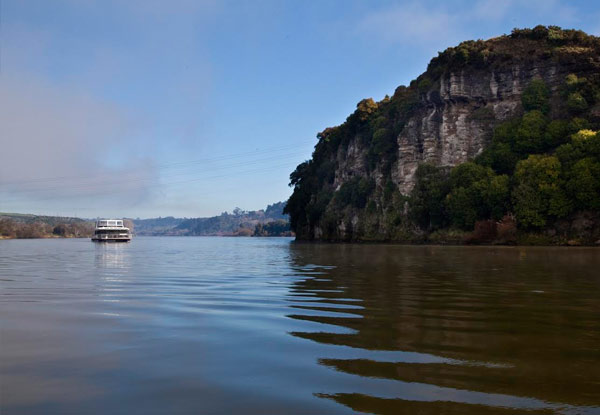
17, 225
237, 223
496, 142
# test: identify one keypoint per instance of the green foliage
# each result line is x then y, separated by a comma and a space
538, 193
573, 82
581, 93
365, 108
476, 193
577, 124
379, 122
465, 174
424, 84
537, 166
500, 157
318, 205
585, 143
497, 196
483, 114
427, 198
354, 192
576, 104
383, 145
535, 96
584, 183
553, 34
505, 132
464, 206
530, 135
580, 159
557, 133
275, 228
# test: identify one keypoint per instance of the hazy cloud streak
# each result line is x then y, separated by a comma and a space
50, 132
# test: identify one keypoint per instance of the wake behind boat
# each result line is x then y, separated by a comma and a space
111, 230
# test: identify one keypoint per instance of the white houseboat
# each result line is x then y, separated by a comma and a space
111, 230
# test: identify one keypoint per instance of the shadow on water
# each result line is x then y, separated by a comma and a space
455, 330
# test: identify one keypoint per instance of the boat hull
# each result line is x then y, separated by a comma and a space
111, 239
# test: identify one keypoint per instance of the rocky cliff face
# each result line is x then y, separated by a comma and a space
445, 117
456, 119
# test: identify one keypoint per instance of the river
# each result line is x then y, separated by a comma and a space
201, 325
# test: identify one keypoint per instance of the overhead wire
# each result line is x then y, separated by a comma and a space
100, 184
165, 165
130, 189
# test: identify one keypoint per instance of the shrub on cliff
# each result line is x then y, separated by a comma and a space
535, 96
576, 104
354, 193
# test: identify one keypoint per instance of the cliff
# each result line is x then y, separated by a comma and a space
360, 182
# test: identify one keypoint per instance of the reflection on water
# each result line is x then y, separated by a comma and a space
260, 325
455, 328
114, 256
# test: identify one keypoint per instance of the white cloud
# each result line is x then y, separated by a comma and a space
414, 22
54, 123
491, 10
56, 143
408, 23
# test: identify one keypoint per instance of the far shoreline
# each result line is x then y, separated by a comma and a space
356, 242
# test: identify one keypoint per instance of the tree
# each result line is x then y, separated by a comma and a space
427, 198
355, 192
538, 193
463, 206
576, 103
496, 193
557, 133
530, 134
476, 193
60, 230
365, 108
536, 96
584, 183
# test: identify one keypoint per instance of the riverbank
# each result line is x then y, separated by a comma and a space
34, 227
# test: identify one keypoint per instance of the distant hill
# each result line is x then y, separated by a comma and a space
265, 222
18, 225
49, 220
237, 223
156, 226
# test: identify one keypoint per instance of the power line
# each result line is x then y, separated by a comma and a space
116, 191
118, 181
165, 165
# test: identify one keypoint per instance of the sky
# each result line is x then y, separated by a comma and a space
147, 108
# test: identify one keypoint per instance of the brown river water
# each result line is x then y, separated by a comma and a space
268, 326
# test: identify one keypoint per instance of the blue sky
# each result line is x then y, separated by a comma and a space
146, 108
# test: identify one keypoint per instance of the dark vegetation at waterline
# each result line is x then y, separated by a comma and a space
278, 227
536, 179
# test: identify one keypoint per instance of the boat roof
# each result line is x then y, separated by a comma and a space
109, 223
